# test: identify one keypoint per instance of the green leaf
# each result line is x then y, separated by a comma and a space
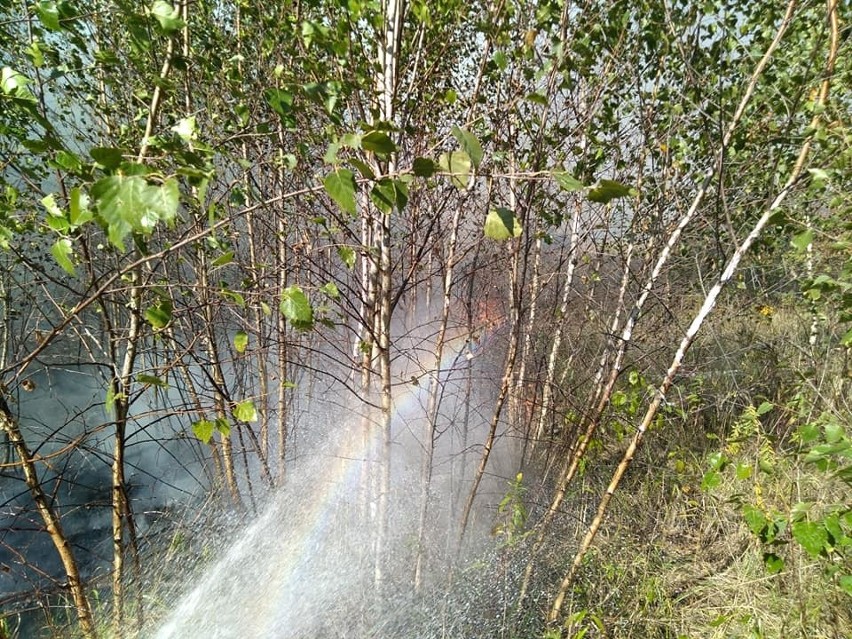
225, 258
608, 190
160, 314
68, 161
49, 203
774, 564
282, 103
79, 213
48, 14
424, 167
62, 252
108, 157
378, 142
186, 129
296, 308
811, 535
223, 426
15, 84
457, 164
845, 583
387, 194
129, 204
347, 254
111, 398
567, 182
469, 144
716, 460
711, 480
808, 432
754, 518
331, 290
167, 16
802, 240
363, 168
501, 224
834, 432
537, 98
203, 430
241, 341
245, 411
340, 185
744, 471
152, 380
764, 408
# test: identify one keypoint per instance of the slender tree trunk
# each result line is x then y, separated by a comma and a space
567, 287
51, 521
386, 85
433, 403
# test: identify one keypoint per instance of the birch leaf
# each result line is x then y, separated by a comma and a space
501, 224
245, 411
62, 252
457, 164
340, 186
469, 145
203, 430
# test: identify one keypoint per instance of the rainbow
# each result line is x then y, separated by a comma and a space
243, 597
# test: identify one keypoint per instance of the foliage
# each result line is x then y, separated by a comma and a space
202, 202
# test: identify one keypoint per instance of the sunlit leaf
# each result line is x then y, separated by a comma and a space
129, 204
811, 535
341, 186
48, 15
469, 144
160, 314
62, 252
608, 190
225, 258
186, 128
711, 480
754, 518
167, 16
801, 241
67, 161
241, 341
296, 307
347, 254
764, 408
457, 164
378, 142
14, 83
203, 430
774, 564
245, 411
331, 290
78, 211
152, 380
501, 224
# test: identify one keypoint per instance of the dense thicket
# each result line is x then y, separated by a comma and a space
605, 246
